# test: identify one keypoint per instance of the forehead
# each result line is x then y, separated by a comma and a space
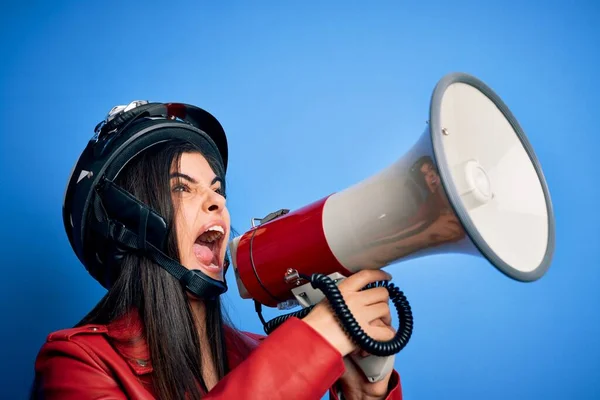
426, 166
194, 164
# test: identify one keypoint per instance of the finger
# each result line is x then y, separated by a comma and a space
374, 295
377, 311
454, 231
387, 318
446, 233
381, 333
384, 321
455, 227
449, 230
363, 278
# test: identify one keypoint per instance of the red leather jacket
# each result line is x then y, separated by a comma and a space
99, 362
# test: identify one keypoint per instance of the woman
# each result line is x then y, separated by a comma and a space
145, 212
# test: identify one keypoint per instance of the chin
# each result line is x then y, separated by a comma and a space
212, 271
216, 276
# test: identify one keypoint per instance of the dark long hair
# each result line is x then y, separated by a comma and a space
160, 300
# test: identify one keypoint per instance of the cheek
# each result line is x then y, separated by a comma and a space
183, 225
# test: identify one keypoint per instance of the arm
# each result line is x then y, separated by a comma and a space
293, 362
302, 359
353, 384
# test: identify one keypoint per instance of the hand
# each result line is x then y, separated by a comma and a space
353, 383
366, 306
445, 228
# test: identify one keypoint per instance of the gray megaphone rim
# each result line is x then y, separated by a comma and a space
451, 190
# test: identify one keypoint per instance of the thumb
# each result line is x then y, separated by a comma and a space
378, 322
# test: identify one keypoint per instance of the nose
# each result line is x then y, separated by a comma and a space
214, 202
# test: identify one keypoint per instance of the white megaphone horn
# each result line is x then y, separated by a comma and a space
471, 184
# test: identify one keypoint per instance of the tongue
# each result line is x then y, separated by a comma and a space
203, 253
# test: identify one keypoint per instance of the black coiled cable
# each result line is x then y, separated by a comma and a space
347, 320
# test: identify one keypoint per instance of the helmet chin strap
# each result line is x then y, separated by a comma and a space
144, 231
195, 281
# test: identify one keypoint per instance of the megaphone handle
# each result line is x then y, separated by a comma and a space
375, 368
352, 327
381, 361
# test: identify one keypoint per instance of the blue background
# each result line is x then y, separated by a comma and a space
316, 96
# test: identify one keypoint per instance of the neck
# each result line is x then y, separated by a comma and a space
199, 311
209, 369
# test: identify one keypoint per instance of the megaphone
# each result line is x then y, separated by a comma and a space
471, 184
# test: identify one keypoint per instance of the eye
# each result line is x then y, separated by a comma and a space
180, 187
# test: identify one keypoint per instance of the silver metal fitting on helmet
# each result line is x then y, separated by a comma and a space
116, 110
124, 108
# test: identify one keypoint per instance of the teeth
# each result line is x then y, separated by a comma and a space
216, 228
212, 234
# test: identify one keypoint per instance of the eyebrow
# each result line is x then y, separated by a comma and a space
183, 176
192, 180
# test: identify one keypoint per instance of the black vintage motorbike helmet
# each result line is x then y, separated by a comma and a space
120, 222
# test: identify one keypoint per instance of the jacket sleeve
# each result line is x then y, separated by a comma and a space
61, 368
293, 362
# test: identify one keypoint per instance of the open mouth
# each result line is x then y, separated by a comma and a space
207, 247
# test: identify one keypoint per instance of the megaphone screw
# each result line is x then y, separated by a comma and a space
291, 276
445, 131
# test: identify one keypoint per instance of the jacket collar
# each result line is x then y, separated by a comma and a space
128, 338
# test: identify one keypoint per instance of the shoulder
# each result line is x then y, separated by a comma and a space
82, 343
78, 363
87, 336
71, 352
108, 347
77, 334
